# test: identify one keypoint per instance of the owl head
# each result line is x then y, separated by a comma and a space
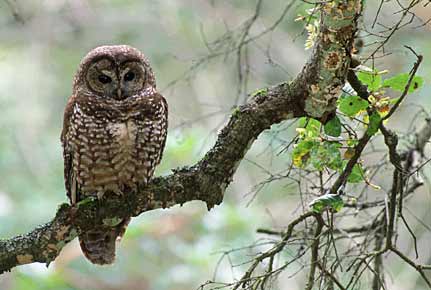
115, 72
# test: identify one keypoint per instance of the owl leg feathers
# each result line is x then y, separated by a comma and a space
98, 245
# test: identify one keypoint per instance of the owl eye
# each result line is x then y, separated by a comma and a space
129, 76
104, 79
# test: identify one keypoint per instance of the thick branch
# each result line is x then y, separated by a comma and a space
313, 93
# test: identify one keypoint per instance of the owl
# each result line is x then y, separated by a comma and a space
114, 133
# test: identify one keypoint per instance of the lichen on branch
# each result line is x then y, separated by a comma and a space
331, 56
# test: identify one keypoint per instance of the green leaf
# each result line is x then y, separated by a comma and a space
352, 105
374, 123
372, 79
333, 127
300, 153
309, 130
357, 174
326, 154
399, 82
352, 142
311, 125
327, 201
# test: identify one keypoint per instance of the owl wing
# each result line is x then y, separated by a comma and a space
163, 113
152, 123
69, 180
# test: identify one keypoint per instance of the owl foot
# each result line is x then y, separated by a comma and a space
100, 195
118, 192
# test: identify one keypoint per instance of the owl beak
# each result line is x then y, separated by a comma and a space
119, 94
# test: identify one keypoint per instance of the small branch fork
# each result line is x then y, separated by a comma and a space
247, 278
313, 93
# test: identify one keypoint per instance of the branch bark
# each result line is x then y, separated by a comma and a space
313, 93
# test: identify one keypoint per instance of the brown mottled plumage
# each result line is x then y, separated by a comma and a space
114, 132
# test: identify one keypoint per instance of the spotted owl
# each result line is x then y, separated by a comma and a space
114, 132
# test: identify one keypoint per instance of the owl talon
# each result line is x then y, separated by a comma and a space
100, 195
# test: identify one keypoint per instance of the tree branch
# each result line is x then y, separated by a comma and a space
313, 93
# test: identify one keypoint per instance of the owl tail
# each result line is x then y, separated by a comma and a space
98, 245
